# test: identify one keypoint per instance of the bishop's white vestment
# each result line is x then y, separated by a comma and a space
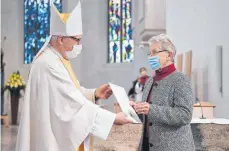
57, 114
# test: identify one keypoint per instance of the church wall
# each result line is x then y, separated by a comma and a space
94, 67
12, 27
200, 26
193, 25
91, 66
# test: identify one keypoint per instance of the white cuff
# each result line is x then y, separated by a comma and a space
104, 121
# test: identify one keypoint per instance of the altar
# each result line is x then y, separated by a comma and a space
211, 134
208, 134
121, 138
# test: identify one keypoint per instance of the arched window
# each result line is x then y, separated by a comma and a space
121, 44
36, 26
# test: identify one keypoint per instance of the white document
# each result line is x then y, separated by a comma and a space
123, 100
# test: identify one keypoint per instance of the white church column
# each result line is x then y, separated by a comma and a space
149, 20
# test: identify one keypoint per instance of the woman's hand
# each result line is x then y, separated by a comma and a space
142, 108
132, 103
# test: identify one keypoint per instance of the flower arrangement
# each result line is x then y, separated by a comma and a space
15, 84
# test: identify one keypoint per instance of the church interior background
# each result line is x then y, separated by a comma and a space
115, 46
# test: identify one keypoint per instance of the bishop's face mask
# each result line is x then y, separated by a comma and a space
74, 52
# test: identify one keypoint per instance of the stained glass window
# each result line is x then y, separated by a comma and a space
121, 44
36, 26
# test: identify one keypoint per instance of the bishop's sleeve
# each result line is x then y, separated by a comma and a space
103, 123
88, 93
72, 116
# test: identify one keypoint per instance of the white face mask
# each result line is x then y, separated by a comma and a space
75, 52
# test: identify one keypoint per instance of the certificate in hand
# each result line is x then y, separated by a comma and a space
123, 100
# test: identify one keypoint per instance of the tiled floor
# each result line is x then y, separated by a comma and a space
8, 138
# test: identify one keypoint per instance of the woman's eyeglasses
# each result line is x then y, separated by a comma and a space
155, 52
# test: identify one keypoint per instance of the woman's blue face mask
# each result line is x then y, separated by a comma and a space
154, 62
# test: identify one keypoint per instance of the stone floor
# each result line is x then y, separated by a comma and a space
8, 138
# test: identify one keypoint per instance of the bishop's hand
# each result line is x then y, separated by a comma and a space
103, 92
121, 119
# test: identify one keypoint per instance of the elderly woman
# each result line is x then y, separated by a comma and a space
168, 101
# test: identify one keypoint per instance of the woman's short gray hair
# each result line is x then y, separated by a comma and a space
164, 42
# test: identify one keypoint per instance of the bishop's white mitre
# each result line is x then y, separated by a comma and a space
63, 24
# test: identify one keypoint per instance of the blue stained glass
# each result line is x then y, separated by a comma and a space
114, 20
121, 45
114, 29
127, 9
42, 23
128, 50
127, 29
114, 55
30, 29
36, 26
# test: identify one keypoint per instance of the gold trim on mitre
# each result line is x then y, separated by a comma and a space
63, 16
